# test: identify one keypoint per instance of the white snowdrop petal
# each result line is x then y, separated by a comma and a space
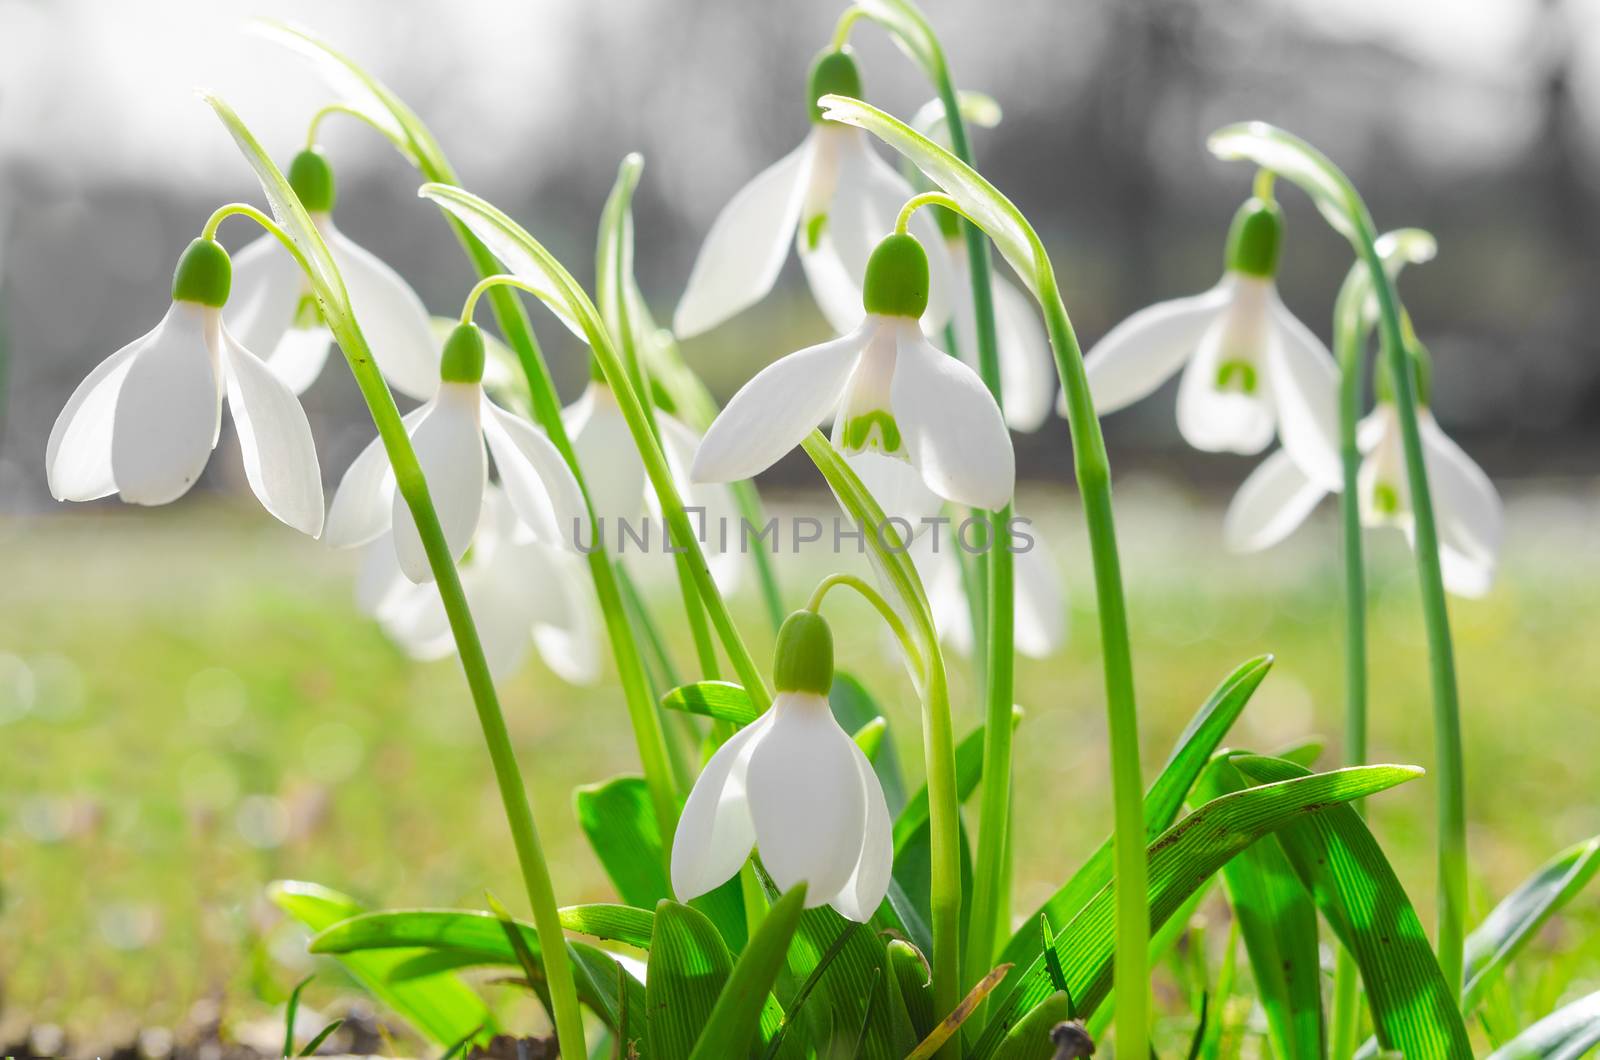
379, 583
1271, 503
536, 478
449, 446
613, 473
744, 251
392, 317
951, 425
1040, 606
280, 457
572, 647
1139, 354
1027, 367
1305, 386
834, 288
502, 591
299, 357
717, 519
78, 454
715, 831
264, 296
861, 895
1217, 420
806, 799
168, 410
897, 487
361, 509
1467, 508
774, 411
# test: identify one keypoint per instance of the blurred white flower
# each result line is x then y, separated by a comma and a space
1027, 368
834, 198
144, 422
1039, 623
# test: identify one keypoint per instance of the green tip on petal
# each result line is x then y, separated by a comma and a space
463, 357
897, 278
803, 660
833, 73
1254, 238
204, 274
311, 177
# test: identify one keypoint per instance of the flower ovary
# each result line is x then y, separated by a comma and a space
803, 659
462, 361
311, 177
833, 73
1254, 237
204, 274
897, 278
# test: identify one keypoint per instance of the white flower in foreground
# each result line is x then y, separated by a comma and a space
1027, 367
619, 490
522, 592
1039, 599
1252, 369
834, 198
1278, 496
794, 785
144, 422
892, 395
275, 311
449, 433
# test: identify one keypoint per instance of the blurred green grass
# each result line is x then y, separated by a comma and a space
191, 706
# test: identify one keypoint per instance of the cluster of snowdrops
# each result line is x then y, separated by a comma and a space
787, 894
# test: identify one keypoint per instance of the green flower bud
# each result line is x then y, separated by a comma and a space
311, 177
204, 274
897, 278
1253, 238
803, 661
833, 73
462, 361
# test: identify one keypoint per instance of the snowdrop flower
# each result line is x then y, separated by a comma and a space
893, 396
1039, 602
618, 487
449, 432
794, 785
1252, 368
275, 311
144, 422
834, 198
1278, 496
522, 592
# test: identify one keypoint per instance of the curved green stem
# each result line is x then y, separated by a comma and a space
879, 604
917, 202
244, 209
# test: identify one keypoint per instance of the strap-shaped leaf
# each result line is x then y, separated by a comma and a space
1340, 863
1181, 860
1566, 1034
689, 967
734, 1020
1162, 802
620, 824
441, 1007
1030, 1039
1521, 913
722, 700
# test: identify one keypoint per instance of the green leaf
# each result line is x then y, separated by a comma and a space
722, 700
1566, 1034
1338, 861
737, 1014
689, 966
289, 1012
870, 738
441, 1007
952, 1022
1162, 802
1181, 860
854, 707
1521, 913
321, 1036
1294, 160
1030, 1038
620, 823
1279, 925
911, 974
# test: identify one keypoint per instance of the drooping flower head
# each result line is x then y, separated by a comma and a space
143, 424
795, 786
834, 198
275, 311
449, 433
1250, 369
929, 426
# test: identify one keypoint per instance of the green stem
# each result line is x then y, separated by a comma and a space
890, 617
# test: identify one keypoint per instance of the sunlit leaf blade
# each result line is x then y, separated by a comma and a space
290, 1011
1194, 749
732, 1026
620, 823
1030, 1039
440, 1007
837, 1001
722, 700
613, 266
1181, 860
689, 966
1521, 913
1294, 160
854, 706
1279, 925
1339, 862
1566, 1034
321, 1036
981, 201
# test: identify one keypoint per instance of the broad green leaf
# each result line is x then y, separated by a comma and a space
1566, 1034
1030, 1038
1413, 1009
870, 738
689, 966
837, 1000
738, 1011
909, 969
1295, 160
722, 700
1279, 925
854, 706
1521, 913
1162, 802
620, 823
441, 1007
1181, 860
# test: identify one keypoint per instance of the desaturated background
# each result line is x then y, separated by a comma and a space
1480, 122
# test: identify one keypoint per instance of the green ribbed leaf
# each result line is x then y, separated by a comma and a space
1181, 860
1030, 1039
689, 966
1162, 802
1338, 861
731, 1029
855, 707
441, 1007
1566, 1034
722, 700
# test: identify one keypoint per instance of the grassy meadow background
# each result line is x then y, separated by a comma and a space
191, 706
